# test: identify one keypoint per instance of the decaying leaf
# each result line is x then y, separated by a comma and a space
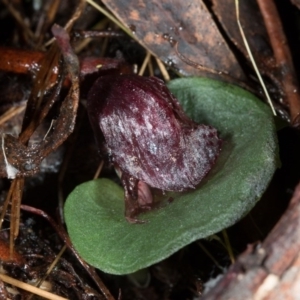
17, 159
254, 29
157, 24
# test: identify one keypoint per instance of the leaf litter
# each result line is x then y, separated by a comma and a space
172, 285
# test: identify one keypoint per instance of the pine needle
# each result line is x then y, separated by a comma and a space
252, 58
30, 288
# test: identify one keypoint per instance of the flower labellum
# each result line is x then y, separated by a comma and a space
149, 138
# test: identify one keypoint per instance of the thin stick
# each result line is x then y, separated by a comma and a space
87, 39
163, 69
150, 67
99, 169
16, 199
98, 32
111, 17
49, 129
13, 111
145, 62
228, 246
30, 288
197, 65
252, 58
283, 57
210, 256
51, 267
77, 13
7, 200
45, 21
256, 226
19, 18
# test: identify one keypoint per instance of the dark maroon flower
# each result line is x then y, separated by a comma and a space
149, 137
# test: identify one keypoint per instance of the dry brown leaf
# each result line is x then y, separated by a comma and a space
254, 29
17, 159
157, 23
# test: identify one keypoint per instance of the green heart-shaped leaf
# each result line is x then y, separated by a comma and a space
94, 211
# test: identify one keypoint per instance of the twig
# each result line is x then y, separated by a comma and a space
163, 69
150, 67
86, 34
51, 267
283, 57
16, 199
5, 205
30, 288
111, 17
19, 18
99, 169
251, 56
228, 246
145, 62
210, 256
77, 13
10, 113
